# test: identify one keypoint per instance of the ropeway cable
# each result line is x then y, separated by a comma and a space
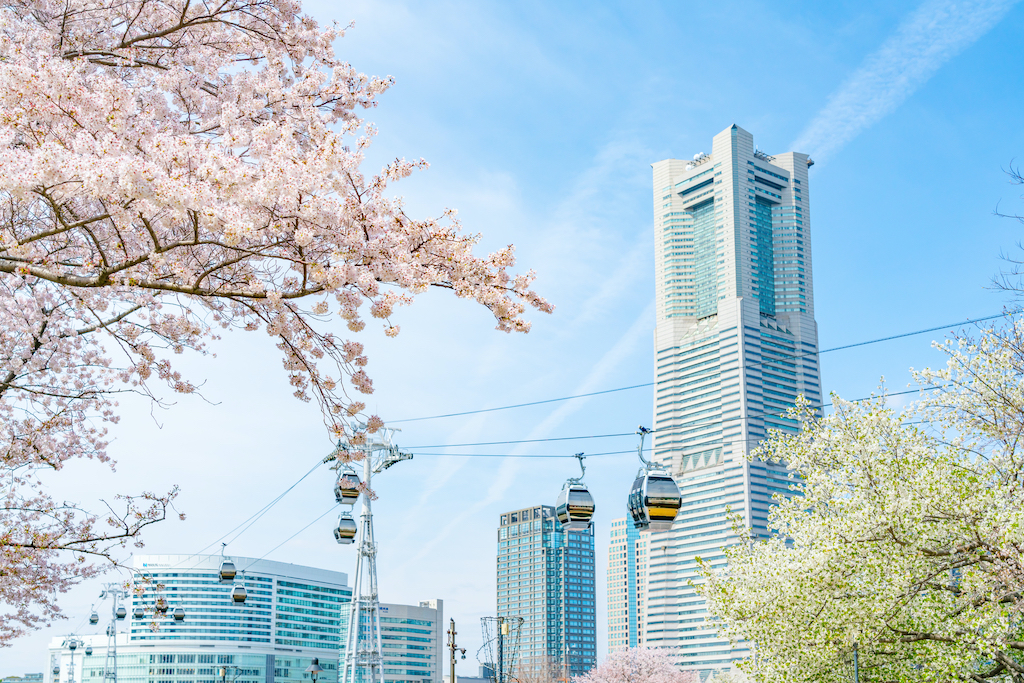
664, 430
322, 515
747, 365
252, 519
255, 517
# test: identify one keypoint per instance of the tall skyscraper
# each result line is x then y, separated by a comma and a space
546, 576
622, 585
736, 342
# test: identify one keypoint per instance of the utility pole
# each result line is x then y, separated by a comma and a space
453, 648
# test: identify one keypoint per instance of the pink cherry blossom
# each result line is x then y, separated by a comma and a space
169, 170
637, 665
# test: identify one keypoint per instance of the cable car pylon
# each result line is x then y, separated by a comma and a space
116, 593
362, 660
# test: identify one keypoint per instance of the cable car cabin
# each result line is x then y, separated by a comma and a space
575, 507
345, 532
178, 614
654, 501
227, 571
346, 490
138, 614
94, 618
161, 606
121, 612
239, 594
88, 649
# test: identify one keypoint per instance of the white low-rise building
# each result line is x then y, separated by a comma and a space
413, 641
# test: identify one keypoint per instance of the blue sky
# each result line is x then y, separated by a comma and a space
540, 121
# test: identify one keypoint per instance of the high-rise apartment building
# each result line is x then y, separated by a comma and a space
546, 576
622, 585
735, 344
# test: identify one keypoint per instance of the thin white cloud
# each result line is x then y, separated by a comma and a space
934, 33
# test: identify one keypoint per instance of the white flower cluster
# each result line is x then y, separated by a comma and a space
906, 540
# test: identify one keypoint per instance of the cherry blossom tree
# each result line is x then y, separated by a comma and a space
637, 665
170, 169
905, 541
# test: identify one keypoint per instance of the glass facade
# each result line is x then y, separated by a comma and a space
763, 254
162, 666
706, 267
276, 611
408, 649
623, 613
546, 576
291, 614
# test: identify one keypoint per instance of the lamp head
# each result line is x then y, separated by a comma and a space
314, 668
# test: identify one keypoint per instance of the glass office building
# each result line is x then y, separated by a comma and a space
291, 615
546, 576
413, 638
735, 344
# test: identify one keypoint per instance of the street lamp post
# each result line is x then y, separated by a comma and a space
454, 648
314, 668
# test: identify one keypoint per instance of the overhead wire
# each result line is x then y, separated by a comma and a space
253, 518
809, 354
322, 515
524, 405
747, 365
256, 517
753, 413
528, 455
246, 524
504, 443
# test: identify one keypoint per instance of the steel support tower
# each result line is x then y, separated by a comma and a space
115, 592
363, 657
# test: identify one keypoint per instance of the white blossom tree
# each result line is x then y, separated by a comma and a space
637, 665
170, 169
905, 541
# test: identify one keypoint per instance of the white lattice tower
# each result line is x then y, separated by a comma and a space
363, 656
115, 592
